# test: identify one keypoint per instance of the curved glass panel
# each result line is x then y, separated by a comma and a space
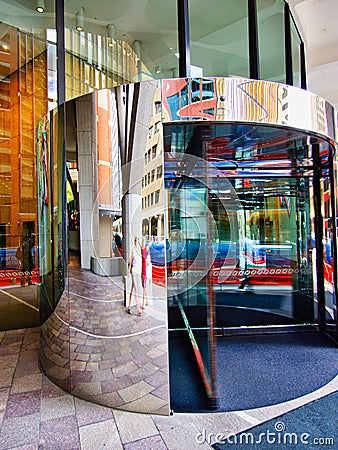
219, 38
27, 91
271, 38
123, 42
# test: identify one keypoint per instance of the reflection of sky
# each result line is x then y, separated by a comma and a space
52, 85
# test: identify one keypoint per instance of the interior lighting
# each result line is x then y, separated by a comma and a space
40, 6
79, 19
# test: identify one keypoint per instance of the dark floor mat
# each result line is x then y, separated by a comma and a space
254, 371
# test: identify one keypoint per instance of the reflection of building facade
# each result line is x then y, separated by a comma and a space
109, 172
152, 182
23, 98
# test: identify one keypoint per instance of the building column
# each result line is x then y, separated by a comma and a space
88, 186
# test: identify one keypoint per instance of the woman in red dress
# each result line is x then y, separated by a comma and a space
144, 253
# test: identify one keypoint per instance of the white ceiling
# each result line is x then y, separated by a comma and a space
317, 23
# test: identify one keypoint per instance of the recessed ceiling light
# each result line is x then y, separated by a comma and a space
40, 6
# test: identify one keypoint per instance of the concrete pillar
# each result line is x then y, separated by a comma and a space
87, 167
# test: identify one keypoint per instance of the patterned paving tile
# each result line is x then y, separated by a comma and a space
23, 403
88, 413
56, 407
60, 434
18, 431
102, 435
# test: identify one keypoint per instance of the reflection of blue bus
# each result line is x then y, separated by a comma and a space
268, 255
190, 250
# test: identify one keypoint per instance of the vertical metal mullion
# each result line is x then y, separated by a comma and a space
253, 40
303, 83
60, 51
319, 233
288, 46
51, 182
183, 38
333, 184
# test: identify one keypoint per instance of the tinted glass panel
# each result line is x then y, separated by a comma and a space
219, 38
295, 46
129, 41
271, 40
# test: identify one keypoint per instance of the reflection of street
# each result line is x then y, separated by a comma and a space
116, 359
19, 307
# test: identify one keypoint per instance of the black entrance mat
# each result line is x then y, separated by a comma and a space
253, 370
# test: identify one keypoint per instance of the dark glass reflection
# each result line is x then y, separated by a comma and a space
263, 241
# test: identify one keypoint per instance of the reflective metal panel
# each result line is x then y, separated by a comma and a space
106, 340
243, 100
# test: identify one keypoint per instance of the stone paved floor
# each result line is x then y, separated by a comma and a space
35, 414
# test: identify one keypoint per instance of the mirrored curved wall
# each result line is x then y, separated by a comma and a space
64, 50
179, 206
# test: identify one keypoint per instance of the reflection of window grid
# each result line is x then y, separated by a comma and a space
159, 172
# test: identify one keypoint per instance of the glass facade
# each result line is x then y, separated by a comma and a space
221, 190
219, 38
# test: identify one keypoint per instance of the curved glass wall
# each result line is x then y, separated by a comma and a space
27, 91
183, 216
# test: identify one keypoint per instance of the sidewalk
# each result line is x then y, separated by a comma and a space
35, 414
